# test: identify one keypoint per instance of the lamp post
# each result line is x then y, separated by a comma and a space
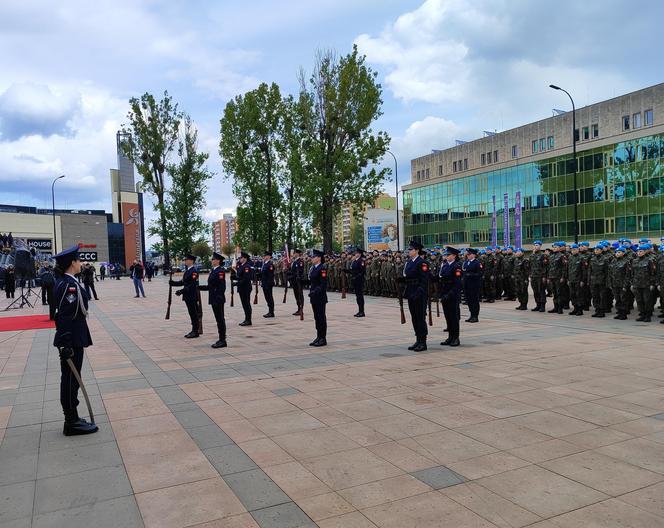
576, 194
55, 236
396, 187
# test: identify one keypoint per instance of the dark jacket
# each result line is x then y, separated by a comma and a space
449, 278
216, 286
416, 275
71, 326
318, 284
190, 284
245, 277
267, 274
472, 271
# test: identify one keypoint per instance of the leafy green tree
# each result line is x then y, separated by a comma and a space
338, 105
254, 247
202, 249
148, 141
185, 199
228, 250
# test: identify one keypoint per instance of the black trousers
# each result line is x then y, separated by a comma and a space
358, 286
297, 293
91, 286
193, 315
451, 313
69, 386
44, 301
417, 309
269, 298
51, 303
218, 311
539, 290
473, 299
245, 299
321, 320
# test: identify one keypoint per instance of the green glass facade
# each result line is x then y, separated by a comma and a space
620, 193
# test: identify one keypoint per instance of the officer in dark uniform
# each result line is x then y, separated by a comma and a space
472, 271
216, 288
71, 337
245, 279
295, 276
357, 271
267, 282
318, 296
189, 293
416, 277
449, 278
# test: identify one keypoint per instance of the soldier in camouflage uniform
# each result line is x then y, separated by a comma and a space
556, 276
490, 264
598, 274
520, 273
586, 255
643, 279
498, 256
538, 271
577, 278
619, 275
508, 273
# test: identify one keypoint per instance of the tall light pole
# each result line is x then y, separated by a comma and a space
55, 235
576, 197
396, 187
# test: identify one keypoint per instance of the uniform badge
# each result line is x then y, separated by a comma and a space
425, 267
221, 275
323, 274
458, 273
194, 276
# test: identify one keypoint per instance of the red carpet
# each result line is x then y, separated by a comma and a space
25, 322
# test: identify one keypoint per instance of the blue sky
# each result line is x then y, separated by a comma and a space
449, 69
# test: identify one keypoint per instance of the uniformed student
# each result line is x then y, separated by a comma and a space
472, 272
318, 297
71, 337
357, 272
245, 279
189, 293
449, 287
216, 288
416, 277
296, 276
267, 282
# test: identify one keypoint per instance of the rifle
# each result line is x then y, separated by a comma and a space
430, 319
170, 295
232, 288
343, 283
300, 299
199, 309
400, 296
256, 284
285, 289
437, 299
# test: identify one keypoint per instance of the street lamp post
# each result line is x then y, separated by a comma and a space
55, 235
576, 194
396, 186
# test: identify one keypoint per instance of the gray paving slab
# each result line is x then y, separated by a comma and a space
182, 376
180, 407
287, 515
158, 379
255, 489
30, 396
193, 418
115, 513
54, 440
66, 461
16, 501
121, 386
209, 436
229, 459
19, 445
439, 477
659, 416
286, 391
15, 469
79, 489
27, 417
172, 395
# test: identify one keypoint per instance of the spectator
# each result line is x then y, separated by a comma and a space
102, 271
10, 282
137, 272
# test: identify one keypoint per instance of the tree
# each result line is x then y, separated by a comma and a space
186, 198
338, 105
248, 148
201, 249
148, 141
228, 250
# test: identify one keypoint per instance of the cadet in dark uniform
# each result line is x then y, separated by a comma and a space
357, 271
295, 276
71, 337
267, 282
472, 284
245, 278
216, 288
416, 277
189, 293
318, 297
449, 278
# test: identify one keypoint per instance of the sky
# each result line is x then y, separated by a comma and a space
449, 70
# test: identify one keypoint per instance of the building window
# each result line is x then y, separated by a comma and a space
515, 151
454, 166
460, 165
465, 163
542, 145
488, 157
586, 133
534, 146
440, 170
427, 174
495, 156
576, 134
595, 131
625, 122
636, 120
483, 159
418, 175
550, 142
647, 118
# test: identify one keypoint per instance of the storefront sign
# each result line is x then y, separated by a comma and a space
41, 244
88, 256
131, 218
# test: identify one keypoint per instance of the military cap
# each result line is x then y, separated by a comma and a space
317, 253
359, 250
414, 244
537, 243
472, 251
245, 255
620, 249
267, 254
298, 251
615, 245
67, 256
645, 247
217, 256
519, 250
488, 248
644, 241
449, 250
574, 246
189, 256
584, 244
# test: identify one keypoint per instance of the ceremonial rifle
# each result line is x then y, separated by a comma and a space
285, 288
170, 295
343, 283
430, 318
436, 289
401, 280
199, 309
300, 299
256, 284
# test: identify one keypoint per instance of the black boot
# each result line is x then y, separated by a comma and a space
245, 323
220, 344
75, 426
321, 342
268, 315
536, 309
359, 314
414, 345
542, 307
191, 334
421, 345
446, 342
313, 343
455, 342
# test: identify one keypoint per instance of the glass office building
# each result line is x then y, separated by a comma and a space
620, 194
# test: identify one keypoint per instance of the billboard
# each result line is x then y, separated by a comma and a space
380, 230
131, 220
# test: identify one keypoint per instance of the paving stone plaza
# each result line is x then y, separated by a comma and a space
537, 420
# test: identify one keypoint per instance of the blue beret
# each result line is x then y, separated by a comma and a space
537, 243
615, 245
644, 241
645, 246
635, 247
575, 246
598, 246
620, 249
585, 244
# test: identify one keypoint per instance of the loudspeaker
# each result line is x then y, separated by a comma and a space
24, 264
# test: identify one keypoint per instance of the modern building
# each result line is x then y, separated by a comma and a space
528, 173
349, 229
223, 232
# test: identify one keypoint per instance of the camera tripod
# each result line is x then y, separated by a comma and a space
23, 299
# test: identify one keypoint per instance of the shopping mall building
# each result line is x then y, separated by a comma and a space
520, 183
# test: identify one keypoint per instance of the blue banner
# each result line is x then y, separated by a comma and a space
494, 225
506, 221
517, 219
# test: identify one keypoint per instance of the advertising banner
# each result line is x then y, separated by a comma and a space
506, 221
380, 230
45, 245
517, 219
131, 218
494, 225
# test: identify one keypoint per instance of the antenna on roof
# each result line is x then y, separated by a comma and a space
488, 133
435, 151
557, 112
460, 142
